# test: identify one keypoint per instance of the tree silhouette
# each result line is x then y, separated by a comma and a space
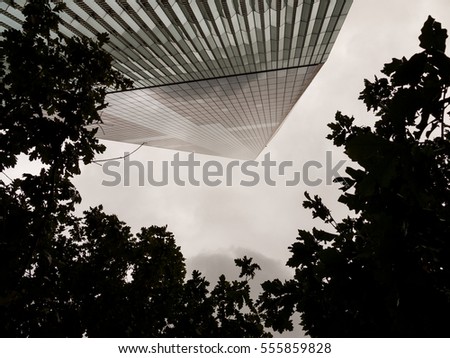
384, 271
68, 276
103, 281
51, 90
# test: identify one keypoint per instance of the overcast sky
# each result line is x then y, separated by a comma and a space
214, 225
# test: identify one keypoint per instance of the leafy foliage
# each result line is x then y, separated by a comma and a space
96, 279
65, 276
51, 90
385, 270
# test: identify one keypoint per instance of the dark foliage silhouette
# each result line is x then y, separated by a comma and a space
68, 276
384, 271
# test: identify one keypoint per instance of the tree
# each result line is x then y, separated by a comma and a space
384, 271
103, 281
68, 276
51, 89
227, 311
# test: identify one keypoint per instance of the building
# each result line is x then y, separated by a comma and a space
211, 76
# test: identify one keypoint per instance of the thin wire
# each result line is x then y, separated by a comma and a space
100, 126
118, 158
6, 175
98, 161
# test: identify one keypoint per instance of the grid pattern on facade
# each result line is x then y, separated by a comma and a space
210, 76
166, 41
232, 116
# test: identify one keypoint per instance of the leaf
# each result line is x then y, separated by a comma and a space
332, 258
318, 208
364, 147
433, 36
323, 236
247, 267
392, 66
341, 128
346, 182
410, 72
375, 93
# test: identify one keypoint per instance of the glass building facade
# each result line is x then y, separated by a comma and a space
210, 76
